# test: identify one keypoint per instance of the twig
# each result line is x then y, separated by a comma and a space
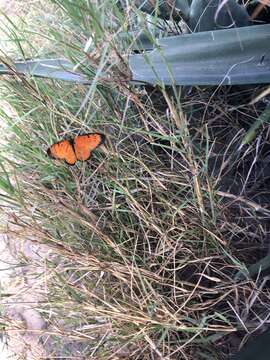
247, 202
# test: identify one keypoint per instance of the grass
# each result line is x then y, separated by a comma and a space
145, 245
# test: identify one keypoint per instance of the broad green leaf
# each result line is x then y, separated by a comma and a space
60, 69
221, 57
258, 349
207, 15
261, 265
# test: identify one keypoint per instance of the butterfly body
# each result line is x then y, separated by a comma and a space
78, 149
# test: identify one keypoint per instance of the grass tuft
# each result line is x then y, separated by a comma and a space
148, 236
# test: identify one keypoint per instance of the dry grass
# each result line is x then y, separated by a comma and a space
148, 237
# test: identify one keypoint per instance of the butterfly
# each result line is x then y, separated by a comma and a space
78, 148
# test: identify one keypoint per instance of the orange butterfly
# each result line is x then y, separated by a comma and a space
79, 148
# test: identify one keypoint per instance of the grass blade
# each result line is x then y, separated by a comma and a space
263, 118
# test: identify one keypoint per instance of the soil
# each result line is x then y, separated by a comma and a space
23, 321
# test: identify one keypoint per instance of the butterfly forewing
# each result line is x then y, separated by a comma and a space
85, 144
63, 150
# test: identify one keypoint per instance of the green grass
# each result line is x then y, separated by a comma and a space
141, 266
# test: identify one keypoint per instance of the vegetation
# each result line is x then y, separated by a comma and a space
152, 239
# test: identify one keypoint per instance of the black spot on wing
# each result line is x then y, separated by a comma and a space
49, 153
103, 138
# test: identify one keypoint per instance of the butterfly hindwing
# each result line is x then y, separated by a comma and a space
63, 150
85, 144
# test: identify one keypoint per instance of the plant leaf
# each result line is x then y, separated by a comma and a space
252, 271
60, 69
258, 349
221, 57
210, 15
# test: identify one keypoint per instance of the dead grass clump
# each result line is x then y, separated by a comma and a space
152, 236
